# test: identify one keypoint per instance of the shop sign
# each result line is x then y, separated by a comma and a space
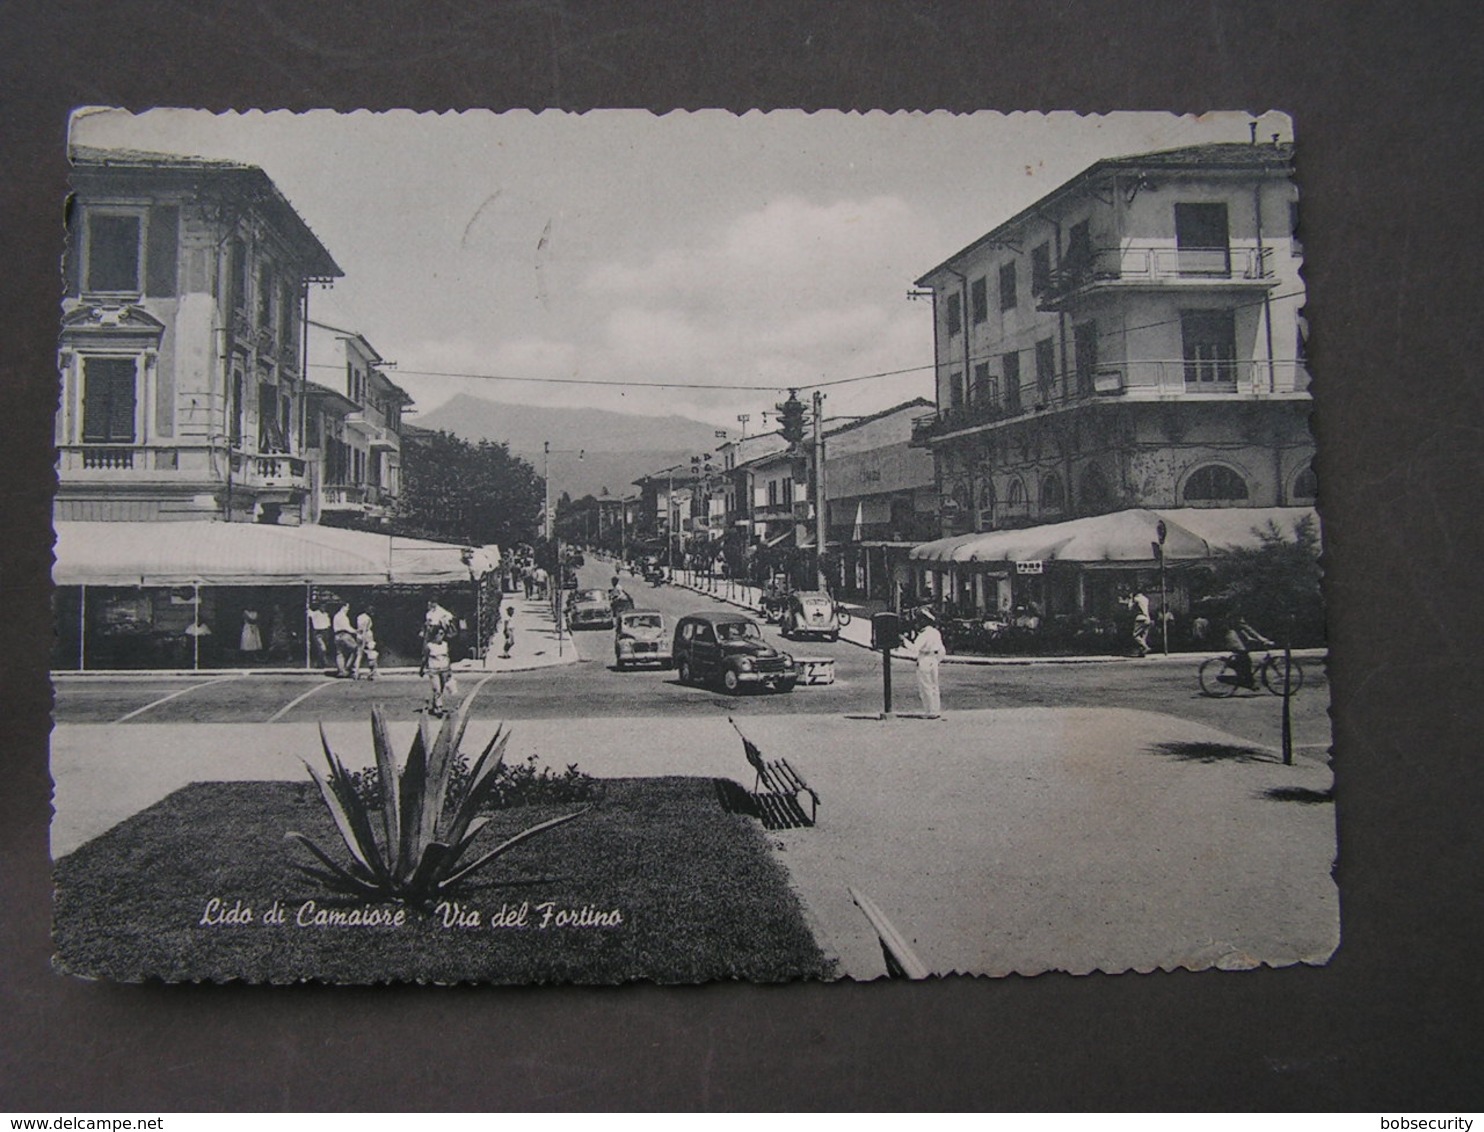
1032, 566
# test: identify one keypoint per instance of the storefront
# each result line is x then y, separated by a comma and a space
1067, 580
195, 595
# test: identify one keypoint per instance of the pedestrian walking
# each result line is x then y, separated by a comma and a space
437, 618
507, 628
321, 639
541, 578
345, 639
438, 668
366, 652
929, 650
1138, 601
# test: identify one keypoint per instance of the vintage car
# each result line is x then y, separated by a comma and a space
640, 637
728, 649
589, 609
812, 613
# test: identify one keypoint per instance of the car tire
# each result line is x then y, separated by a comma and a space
730, 682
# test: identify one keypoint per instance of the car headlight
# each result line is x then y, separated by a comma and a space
788, 660
745, 664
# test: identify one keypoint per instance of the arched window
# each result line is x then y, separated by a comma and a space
986, 504
1214, 483
1053, 496
1306, 485
1094, 490
1015, 497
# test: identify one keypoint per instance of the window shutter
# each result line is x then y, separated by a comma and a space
160, 254
72, 256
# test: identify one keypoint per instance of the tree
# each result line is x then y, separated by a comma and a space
1275, 584
457, 491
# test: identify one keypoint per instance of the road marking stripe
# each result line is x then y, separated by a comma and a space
172, 695
299, 699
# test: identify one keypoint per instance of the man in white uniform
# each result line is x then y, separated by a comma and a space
928, 647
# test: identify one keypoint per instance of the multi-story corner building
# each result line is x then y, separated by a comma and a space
1133, 339
182, 343
1132, 342
881, 498
359, 433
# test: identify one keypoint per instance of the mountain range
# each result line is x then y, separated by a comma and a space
616, 448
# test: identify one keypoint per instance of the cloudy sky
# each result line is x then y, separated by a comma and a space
694, 263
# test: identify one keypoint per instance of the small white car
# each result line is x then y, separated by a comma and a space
641, 637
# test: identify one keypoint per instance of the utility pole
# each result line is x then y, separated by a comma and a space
819, 498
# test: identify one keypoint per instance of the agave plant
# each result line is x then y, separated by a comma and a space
413, 851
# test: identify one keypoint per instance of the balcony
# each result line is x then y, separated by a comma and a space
276, 472
132, 463
1146, 380
357, 497
1156, 268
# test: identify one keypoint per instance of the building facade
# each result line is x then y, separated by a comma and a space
183, 385
359, 435
1132, 339
881, 498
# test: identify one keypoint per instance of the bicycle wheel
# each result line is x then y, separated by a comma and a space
1272, 675
1211, 673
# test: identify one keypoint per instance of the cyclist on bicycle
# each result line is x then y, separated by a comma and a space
1241, 638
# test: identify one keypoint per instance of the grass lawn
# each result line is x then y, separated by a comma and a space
697, 895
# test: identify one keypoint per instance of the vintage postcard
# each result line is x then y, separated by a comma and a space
556, 548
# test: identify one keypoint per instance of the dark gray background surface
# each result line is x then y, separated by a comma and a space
1387, 106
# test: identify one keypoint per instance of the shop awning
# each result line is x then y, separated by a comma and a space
1191, 534
254, 554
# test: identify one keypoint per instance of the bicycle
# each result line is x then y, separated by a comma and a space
1219, 678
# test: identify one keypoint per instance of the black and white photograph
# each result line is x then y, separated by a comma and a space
558, 548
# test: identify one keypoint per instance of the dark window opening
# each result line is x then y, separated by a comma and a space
1046, 370
113, 253
955, 314
1214, 483
955, 390
1202, 239
1040, 268
1079, 248
265, 297
237, 276
1007, 286
1053, 498
1085, 342
1010, 363
108, 400
1209, 339
979, 300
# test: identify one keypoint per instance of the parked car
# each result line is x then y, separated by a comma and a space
641, 637
728, 649
812, 613
589, 609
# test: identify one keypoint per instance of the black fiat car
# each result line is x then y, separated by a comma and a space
728, 649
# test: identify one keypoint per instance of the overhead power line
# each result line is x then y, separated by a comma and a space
404, 371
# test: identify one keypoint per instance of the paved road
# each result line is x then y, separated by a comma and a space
593, 687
